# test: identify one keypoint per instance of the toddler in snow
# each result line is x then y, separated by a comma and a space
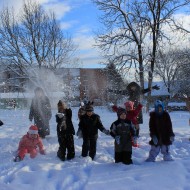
122, 131
132, 114
29, 144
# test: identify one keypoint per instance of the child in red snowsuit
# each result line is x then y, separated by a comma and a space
29, 144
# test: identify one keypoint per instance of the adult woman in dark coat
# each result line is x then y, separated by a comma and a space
40, 111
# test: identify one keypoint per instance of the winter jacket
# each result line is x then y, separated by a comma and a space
90, 125
161, 127
30, 143
123, 129
40, 111
132, 115
64, 124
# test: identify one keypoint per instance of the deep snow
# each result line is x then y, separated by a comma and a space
49, 173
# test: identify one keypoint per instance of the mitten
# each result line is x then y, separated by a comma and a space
114, 108
79, 133
43, 152
117, 139
156, 87
105, 131
172, 138
17, 159
60, 115
155, 140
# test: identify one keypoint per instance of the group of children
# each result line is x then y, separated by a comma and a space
123, 130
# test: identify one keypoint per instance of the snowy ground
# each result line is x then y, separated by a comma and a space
49, 173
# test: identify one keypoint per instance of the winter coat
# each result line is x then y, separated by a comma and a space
132, 114
161, 127
65, 124
40, 110
90, 125
125, 130
30, 143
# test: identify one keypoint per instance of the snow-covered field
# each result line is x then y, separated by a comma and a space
49, 173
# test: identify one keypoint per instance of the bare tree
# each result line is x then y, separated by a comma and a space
33, 39
134, 30
168, 64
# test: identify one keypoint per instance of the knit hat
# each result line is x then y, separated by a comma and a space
157, 104
120, 111
33, 130
129, 104
89, 108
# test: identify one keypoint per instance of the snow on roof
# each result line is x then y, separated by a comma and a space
176, 104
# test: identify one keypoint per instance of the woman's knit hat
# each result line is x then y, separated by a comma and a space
33, 130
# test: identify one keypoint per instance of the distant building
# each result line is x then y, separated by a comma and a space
70, 84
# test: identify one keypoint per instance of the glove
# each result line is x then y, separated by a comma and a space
156, 87
60, 115
155, 140
117, 139
43, 152
79, 133
172, 138
105, 131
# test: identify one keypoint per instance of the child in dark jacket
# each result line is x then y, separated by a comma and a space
132, 115
161, 133
29, 144
122, 130
89, 125
65, 132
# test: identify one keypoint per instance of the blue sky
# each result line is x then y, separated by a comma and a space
78, 18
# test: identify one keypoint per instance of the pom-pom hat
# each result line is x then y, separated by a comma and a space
33, 130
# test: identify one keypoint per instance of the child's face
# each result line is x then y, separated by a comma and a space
160, 109
89, 113
33, 136
123, 116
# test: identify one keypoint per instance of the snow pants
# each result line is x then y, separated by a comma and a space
66, 146
23, 151
89, 146
154, 151
124, 157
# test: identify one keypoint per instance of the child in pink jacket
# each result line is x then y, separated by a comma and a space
29, 144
